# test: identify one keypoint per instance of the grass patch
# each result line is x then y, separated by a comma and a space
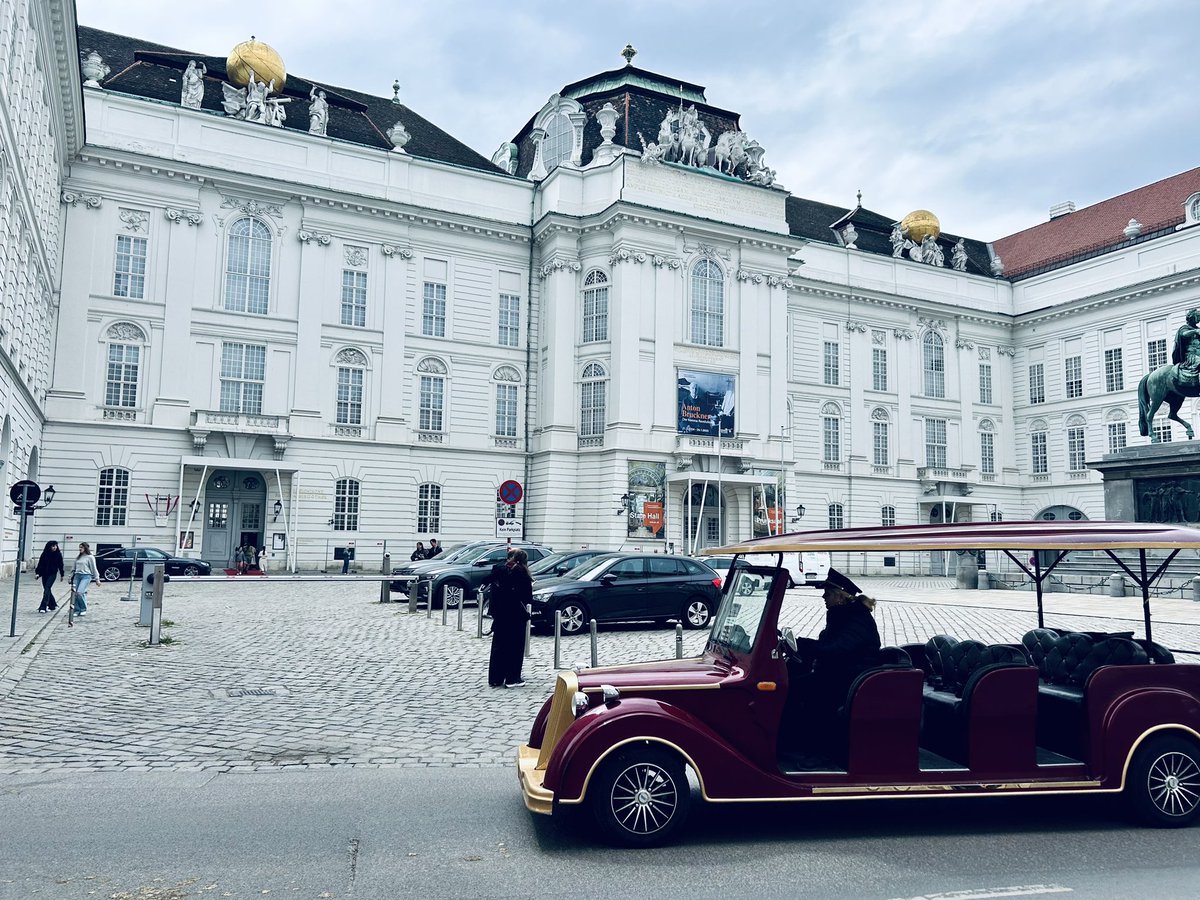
167, 623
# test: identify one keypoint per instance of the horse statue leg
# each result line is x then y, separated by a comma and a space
1150, 397
1175, 401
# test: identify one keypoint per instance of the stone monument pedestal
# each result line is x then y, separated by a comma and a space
1152, 483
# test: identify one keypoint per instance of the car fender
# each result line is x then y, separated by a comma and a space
1133, 718
723, 773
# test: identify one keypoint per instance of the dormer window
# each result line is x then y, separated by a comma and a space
557, 136
1191, 211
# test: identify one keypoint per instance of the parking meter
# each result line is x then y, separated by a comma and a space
146, 612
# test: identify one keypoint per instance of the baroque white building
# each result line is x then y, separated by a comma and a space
343, 326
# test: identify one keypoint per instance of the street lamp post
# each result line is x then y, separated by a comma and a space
25, 495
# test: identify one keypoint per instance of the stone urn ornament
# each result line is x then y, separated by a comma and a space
398, 135
94, 69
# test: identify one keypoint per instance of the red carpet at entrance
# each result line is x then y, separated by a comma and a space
236, 572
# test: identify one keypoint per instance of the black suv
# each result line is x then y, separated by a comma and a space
449, 555
458, 580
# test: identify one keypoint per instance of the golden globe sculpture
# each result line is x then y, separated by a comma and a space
262, 58
919, 223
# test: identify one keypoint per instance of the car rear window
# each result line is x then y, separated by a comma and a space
695, 568
665, 566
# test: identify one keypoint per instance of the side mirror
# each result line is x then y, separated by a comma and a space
561, 570
610, 578
480, 563
788, 638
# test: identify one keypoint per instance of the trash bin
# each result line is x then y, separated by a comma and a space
967, 574
1116, 585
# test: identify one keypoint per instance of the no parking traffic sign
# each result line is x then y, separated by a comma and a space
511, 492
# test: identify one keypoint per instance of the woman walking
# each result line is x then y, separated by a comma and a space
49, 567
84, 573
511, 592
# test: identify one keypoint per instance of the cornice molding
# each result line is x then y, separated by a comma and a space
74, 198
391, 251
1177, 281
187, 217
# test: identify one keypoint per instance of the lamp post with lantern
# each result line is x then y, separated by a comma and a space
25, 496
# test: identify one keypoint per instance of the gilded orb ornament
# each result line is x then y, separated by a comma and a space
262, 58
919, 223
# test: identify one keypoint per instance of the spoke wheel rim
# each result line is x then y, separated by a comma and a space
452, 594
644, 798
697, 613
572, 618
1173, 784
112, 573
191, 571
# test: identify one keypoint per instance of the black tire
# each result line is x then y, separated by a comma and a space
640, 796
574, 616
111, 573
191, 571
453, 593
697, 613
1164, 781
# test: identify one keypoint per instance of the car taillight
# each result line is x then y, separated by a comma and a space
717, 582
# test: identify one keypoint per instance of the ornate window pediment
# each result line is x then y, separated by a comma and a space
125, 331
879, 414
1116, 415
987, 425
507, 373
431, 365
557, 136
351, 356
831, 409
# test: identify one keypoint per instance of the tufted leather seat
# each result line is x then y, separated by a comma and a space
1037, 644
939, 666
1156, 652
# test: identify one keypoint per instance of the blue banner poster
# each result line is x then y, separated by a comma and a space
706, 399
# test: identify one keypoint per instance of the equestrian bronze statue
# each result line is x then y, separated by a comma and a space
1173, 382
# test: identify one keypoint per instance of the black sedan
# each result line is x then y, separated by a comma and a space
629, 587
119, 563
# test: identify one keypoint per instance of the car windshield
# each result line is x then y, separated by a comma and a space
461, 554
546, 563
741, 613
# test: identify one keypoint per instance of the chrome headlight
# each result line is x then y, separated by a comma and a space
580, 703
610, 694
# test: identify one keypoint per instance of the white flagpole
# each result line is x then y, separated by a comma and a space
720, 492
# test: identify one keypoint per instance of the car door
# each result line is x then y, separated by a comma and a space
667, 584
151, 558
622, 598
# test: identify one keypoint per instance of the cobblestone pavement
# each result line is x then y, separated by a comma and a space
265, 677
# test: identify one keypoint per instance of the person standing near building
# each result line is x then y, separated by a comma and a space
511, 594
434, 548
49, 567
418, 554
82, 575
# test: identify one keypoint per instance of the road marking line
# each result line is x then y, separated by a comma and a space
1023, 890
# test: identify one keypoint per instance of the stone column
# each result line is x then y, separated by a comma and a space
312, 374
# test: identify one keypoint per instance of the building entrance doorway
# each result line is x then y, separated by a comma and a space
233, 503
706, 515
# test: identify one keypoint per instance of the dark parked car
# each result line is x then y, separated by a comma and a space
117, 564
623, 587
458, 581
558, 564
452, 554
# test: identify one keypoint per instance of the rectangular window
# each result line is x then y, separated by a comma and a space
510, 320
985, 383
218, 515
1037, 445
880, 430
112, 498
1037, 383
832, 430
1156, 354
433, 313
429, 509
987, 453
1114, 370
1116, 437
345, 504
431, 403
243, 370
887, 516
879, 369
935, 443
129, 275
354, 298
349, 396
832, 359
121, 383
1073, 368
1075, 449
592, 409
1162, 430
506, 410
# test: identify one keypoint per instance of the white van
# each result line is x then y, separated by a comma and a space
804, 568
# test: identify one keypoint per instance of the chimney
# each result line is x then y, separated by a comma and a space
1062, 209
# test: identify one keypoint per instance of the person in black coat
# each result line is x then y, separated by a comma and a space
509, 598
49, 567
434, 548
419, 553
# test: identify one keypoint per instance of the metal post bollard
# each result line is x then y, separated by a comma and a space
592, 626
557, 638
462, 601
412, 603
1116, 585
479, 613
412, 592
160, 576
385, 587
528, 636
445, 611
679, 642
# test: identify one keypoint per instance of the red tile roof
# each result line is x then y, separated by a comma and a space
1094, 228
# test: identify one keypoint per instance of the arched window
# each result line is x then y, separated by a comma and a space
708, 303
346, 494
1076, 443
1037, 447
112, 497
1117, 435
880, 437
593, 401
987, 447
887, 516
558, 142
507, 381
248, 267
432, 395
831, 433
595, 307
933, 362
429, 508
837, 517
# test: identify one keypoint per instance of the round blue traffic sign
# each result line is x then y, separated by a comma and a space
511, 492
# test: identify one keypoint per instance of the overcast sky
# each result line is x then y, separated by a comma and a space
985, 112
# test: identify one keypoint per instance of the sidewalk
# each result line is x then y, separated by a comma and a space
16, 653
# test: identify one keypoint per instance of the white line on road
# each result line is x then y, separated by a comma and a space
1021, 890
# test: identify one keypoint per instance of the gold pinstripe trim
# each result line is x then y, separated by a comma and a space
657, 687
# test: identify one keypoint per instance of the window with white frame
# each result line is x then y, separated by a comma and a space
831, 433
593, 412
933, 363
1117, 439
243, 370
506, 410
833, 353
1156, 354
595, 307
129, 269
1037, 383
879, 369
433, 310
558, 142
1114, 370
354, 298
995, 516
1162, 431
429, 508
1073, 370
121, 379
510, 321
708, 303
346, 494
887, 516
985, 382
1037, 449
112, 497
349, 395
1076, 446
431, 403
880, 442
935, 443
837, 516
248, 267
987, 449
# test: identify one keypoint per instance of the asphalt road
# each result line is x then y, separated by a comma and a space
431, 833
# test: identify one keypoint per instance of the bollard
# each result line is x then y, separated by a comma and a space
412, 592
1116, 585
528, 636
159, 578
592, 626
557, 638
462, 601
386, 568
445, 611
385, 587
146, 608
1196, 589
412, 603
679, 642
479, 613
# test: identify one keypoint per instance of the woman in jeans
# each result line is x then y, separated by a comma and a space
84, 573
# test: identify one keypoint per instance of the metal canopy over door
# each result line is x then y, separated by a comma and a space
233, 508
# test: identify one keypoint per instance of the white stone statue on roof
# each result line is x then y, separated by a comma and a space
931, 251
958, 257
192, 94
318, 112
900, 241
